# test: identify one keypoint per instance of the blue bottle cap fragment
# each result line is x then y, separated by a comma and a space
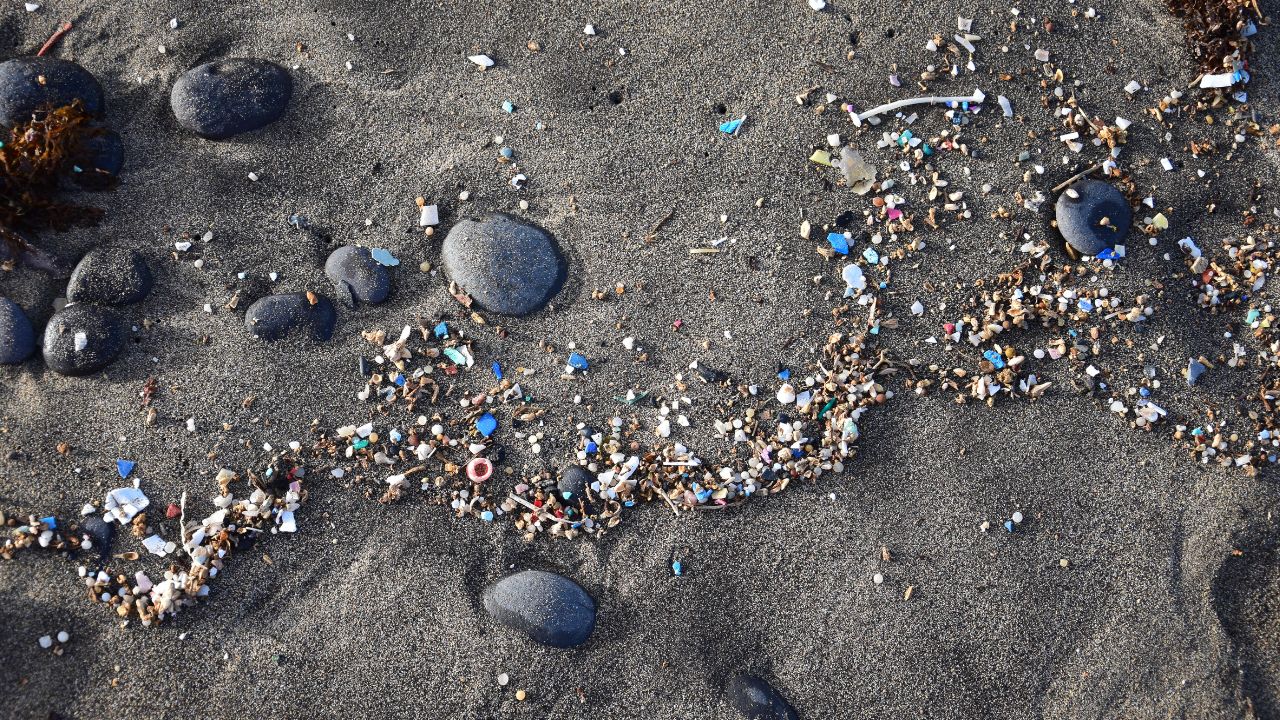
486, 424
730, 127
784, 374
839, 242
124, 467
577, 361
677, 568
994, 358
442, 329
487, 516
50, 522
497, 370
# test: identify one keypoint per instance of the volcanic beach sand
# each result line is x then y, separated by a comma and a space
373, 610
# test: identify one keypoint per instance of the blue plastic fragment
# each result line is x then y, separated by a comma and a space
486, 424
124, 467
384, 257
497, 370
730, 127
577, 361
784, 374
592, 447
442, 329
487, 516
994, 358
927, 150
905, 137
1008, 526
52, 523
1108, 254
839, 242
507, 152
677, 568
871, 255
508, 107
395, 435
399, 381
1085, 305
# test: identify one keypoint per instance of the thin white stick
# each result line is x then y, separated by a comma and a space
977, 97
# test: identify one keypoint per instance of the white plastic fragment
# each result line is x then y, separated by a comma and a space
1133, 87
483, 61
1005, 106
1220, 80
817, 5
430, 216
123, 503
977, 97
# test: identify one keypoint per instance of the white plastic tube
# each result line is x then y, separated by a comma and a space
977, 97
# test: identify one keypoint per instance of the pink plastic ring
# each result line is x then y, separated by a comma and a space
479, 469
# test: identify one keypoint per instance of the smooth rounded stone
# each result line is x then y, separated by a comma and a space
575, 480
100, 160
110, 276
81, 339
550, 609
274, 317
1080, 218
356, 275
505, 264
756, 699
17, 337
227, 97
101, 532
23, 92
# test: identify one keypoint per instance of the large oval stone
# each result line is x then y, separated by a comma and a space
227, 97
550, 609
1080, 211
81, 339
275, 317
17, 337
357, 276
28, 84
756, 699
507, 265
110, 276
574, 482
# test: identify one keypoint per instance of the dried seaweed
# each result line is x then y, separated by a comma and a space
1215, 30
34, 157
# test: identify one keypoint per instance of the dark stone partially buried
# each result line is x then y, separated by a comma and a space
550, 609
756, 699
1080, 218
81, 339
277, 316
100, 160
227, 97
507, 265
28, 84
110, 276
574, 482
17, 337
101, 533
356, 275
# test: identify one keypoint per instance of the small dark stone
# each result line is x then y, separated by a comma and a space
110, 276
22, 92
275, 316
101, 532
550, 609
1080, 218
227, 97
507, 265
355, 274
756, 699
102, 337
101, 160
17, 337
710, 376
575, 480
363, 367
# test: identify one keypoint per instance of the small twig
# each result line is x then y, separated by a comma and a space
54, 38
1076, 177
661, 492
653, 232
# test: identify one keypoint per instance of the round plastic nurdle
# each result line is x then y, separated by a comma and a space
479, 469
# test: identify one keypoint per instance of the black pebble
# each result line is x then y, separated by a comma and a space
1079, 218
276, 316
756, 699
227, 97
104, 339
550, 609
507, 265
101, 532
575, 480
100, 160
356, 275
110, 276
22, 93
17, 337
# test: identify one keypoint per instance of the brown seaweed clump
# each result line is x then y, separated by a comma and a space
1215, 30
34, 157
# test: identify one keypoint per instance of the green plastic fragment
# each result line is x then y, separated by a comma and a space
822, 157
457, 357
827, 408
